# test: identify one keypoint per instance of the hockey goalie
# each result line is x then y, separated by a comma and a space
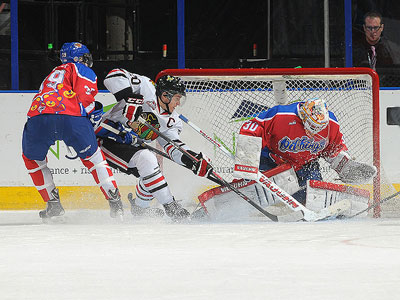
285, 143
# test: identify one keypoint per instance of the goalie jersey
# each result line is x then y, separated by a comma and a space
284, 139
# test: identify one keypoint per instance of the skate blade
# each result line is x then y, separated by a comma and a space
130, 197
55, 220
182, 220
153, 215
119, 217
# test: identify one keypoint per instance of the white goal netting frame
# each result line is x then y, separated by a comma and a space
219, 100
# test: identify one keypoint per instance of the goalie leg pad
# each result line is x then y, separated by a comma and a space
220, 199
323, 194
285, 178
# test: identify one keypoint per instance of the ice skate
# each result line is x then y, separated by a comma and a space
149, 212
176, 212
116, 207
54, 210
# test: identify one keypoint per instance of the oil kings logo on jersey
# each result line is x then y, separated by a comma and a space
301, 144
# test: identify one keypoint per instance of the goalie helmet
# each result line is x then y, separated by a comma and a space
314, 114
75, 52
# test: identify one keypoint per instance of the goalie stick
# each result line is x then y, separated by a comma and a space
308, 215
217, 177
374, 205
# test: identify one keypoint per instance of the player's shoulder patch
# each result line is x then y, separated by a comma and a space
85, 72
290, 109
332, 116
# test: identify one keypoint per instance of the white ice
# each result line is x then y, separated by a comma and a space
91, 257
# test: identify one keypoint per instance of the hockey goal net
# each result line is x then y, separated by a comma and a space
219, 100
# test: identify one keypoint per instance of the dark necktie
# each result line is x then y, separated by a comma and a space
372, 59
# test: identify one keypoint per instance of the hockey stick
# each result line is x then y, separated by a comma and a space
374, 205
144, 145
308, 215
206, 136
214, 174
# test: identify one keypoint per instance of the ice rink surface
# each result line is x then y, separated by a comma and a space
93, 257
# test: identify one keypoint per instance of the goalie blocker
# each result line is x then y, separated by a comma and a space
220, 201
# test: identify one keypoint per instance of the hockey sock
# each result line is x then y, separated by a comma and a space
154, 185
41, 176
101, 172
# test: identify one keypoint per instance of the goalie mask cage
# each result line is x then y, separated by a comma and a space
219, 100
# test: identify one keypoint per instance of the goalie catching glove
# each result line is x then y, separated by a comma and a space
202, 167
133, 108
142, 130
351, 171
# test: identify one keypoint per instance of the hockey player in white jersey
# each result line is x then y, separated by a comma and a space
136, 95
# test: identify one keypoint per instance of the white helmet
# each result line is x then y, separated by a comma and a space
314, 114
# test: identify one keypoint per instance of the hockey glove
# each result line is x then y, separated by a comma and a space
126, 136
96, 115
351, 171
130, 138
203, 166
142, 130
133, 107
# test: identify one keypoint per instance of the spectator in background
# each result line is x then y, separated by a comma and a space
372, 49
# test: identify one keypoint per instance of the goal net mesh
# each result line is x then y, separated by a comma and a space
220, 104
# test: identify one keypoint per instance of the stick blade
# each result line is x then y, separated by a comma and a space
335, 210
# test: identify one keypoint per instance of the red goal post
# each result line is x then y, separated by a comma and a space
218, 100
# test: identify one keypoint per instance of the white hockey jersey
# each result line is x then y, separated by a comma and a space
171, 125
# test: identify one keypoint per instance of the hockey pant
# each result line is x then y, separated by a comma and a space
40, 132
143, 164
